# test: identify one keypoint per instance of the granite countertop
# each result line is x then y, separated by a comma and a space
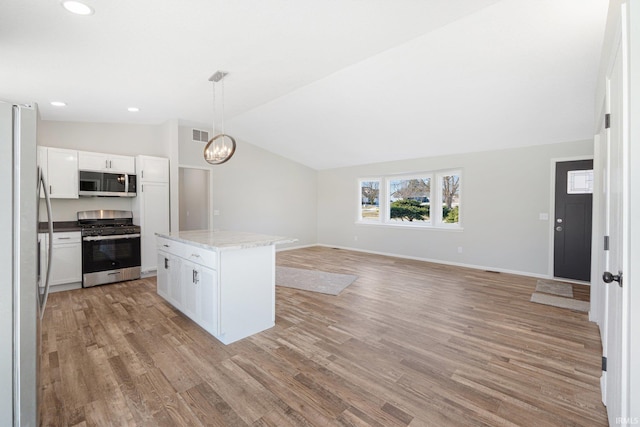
223, 239
60, 226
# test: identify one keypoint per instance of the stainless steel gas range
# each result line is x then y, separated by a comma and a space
110, 247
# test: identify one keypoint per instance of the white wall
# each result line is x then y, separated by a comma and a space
124, 139
259, 191
503, 193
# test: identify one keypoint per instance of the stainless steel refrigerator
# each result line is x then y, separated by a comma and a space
23, 283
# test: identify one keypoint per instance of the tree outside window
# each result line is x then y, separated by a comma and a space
451, 199
370, 200
409, 199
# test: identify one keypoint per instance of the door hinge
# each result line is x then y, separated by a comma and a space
604, 364
607, 121
606, 243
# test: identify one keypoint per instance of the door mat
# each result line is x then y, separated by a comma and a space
561, 302
313, 280
553, 287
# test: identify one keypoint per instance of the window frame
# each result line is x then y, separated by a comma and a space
435, 200
360, 218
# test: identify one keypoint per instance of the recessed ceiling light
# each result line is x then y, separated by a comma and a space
58, 103
77, 7
133, 109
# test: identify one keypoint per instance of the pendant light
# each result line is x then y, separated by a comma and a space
221, 147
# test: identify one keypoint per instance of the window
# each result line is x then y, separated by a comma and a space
450, 198
369, 200
429, 199
409, 199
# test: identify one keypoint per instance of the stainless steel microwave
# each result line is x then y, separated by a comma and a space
106, 184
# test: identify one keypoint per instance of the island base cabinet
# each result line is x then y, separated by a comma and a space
162, 278
201, 295
247, 292
230, 293
168, 278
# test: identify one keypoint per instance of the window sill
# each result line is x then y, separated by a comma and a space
452, 227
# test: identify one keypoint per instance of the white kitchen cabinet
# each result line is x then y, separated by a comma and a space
60, 168
162, 277
168, 279
200, 295
190, 280
207, 300
66, 258
227, 280
152, 169
151, 206
102, 162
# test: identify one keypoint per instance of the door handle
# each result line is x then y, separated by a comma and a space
607, 277
559, 228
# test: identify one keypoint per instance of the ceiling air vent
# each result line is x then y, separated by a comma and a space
199, 135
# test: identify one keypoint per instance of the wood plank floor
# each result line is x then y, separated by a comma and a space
409, 343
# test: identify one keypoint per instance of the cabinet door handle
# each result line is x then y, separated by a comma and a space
50, 189
166, 246
195, 255
166, 263
142, 174
63, 238
196, 279
106, 164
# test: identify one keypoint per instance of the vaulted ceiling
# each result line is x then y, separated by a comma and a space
326, 83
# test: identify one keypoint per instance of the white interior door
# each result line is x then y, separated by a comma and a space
615, 340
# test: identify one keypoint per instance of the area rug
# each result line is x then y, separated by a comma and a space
313, 280
561, 302
555, 288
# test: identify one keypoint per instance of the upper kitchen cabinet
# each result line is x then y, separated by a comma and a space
153, 169
60, 168
101, 162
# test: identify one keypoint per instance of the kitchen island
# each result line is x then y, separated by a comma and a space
223, 280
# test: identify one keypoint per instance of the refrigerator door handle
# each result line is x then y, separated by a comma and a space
50, 251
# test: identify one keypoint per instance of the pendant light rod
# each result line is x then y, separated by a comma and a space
217, 76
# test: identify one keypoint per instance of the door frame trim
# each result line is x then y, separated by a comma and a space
552, 213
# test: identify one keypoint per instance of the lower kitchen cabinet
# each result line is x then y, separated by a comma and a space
189, 286
200, 295
168, 279
66, 258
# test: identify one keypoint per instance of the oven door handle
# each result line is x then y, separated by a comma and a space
113, 237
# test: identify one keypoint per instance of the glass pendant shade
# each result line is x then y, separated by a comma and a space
219, 149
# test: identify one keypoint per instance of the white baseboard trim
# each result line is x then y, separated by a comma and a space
291, 248
149, 273
438, 261
65, 287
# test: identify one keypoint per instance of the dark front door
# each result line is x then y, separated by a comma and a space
572, 223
